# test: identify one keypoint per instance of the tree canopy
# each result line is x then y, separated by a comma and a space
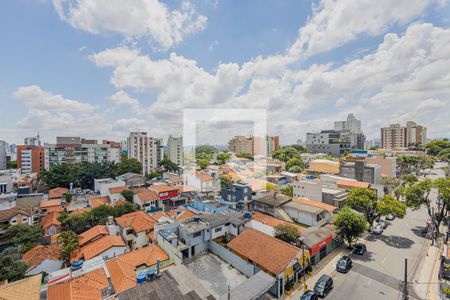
350, 224
169, 165
286, 153
12, 266
288, 190
222, 158
202, 163
287, 233
435, 147
245, 155
23, 236
206, 149
225, 181
295, 162
129, 165
69, 242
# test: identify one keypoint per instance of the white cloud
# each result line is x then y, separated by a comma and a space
149, 19
34, 97
334, 23
121, 98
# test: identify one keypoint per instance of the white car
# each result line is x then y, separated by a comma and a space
378, 229
390, 217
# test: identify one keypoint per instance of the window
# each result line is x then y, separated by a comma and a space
52, 231
197, 234
218, 229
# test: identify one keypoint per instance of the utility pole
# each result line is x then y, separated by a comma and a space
405, 282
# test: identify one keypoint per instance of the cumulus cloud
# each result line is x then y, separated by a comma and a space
148, 19
33, 96
121, 98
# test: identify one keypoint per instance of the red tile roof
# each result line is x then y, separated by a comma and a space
86, 287
49, 203
162, 188
79, 211
304, 201
267, 252
57, 192
97, 247
272, 222
50, 219
94, 232
117, 189
138, 220
146, 195
96, 202
204, 177
40, 253
353, 184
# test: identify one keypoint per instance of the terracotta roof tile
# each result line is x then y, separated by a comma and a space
352, 184
49, 203
162, 188
180, 214
138, 220
40, 253
266, 251
123, 268
186, 188
7, 214
98, 246
204, 177
57, 192
25, 289
271, 221
94, 232
79, 211
146, 195
50, 219
86, 287
117, 189
304, 201
96, 202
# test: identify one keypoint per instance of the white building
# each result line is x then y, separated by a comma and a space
103, 185
145, 149
175, 149
351, 124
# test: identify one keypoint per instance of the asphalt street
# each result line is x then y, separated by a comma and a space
378, 273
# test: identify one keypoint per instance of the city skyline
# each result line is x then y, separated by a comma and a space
88, 74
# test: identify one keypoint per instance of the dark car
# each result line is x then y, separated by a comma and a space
309, 295
323, 286
359, 249
344, 264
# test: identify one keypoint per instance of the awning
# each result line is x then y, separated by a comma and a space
252, 288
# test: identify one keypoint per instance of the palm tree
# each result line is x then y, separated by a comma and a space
69, 241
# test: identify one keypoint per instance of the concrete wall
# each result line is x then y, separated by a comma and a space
243, 266
307, 189
113, 252
306, 218
261, 227
48, 266
175, 255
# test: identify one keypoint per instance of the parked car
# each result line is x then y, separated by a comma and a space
383, 223
323, 286
309, 295
390, 217
359, 249
344, 264
378, 229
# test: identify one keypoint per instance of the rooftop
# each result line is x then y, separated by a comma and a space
50, 219
271, 221
305, 201
273, 199
304, 208
163, 188
352, 183
146, 195
117, 189
314, 235
7, 214
268, 252
96, 202
57, 192
50, 203
138, 220
98, 246
40, 253
92, 233
25, 289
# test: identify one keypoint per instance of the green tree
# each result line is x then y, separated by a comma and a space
288, 191
128, 195
418, 195
222, 157
12, 267
202, 163
23, 236
434, 147
350, 224
443, 187
295, 169
129, 165
68, 197
206, 149
245, 155
444, 155
69, 242
12, 164
152, 175
169, 165
286, 153
295, 162
390, 184
366, 201
287, 233
225, 181
203, 155
408, 179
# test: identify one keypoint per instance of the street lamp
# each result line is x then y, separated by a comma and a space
302, 245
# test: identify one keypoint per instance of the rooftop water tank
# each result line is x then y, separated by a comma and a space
247, 214
141, 278
77, 264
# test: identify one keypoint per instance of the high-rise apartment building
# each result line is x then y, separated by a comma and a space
33, 140
175, 150
332, 142
76, 150
397, 136
145, 149
254, 145
352, 129
31, 159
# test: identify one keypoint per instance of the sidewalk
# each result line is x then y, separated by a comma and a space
326, 266
426, 282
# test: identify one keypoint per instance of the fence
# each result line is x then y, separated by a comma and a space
243, 266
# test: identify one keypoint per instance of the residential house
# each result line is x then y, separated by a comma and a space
19, 215
92, 234
208, 204
102, 186
107, 246
43, 259
125, 267
238, 195
136, 228
270, 203
334, 197
203, 182
309, 212
132, 180
146, 199
168, 195
273, 256
25, 289
57, 193
53, 205
98, 201
50, 224
320, 242
267, 224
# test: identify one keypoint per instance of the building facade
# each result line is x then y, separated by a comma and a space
331, 142
31, 159
77, 150
175, 150
3, 155
145, 149
397, 136
254, 145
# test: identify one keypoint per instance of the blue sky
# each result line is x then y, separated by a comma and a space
73, 68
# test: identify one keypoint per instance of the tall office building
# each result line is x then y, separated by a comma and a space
397, 136
332, 142
352, 129
76, 150
175, 149
145, 149
31, 159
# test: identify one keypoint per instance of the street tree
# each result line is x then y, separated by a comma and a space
295, 169
222, 158
245, 155
418, 195
443, 199
350, 224
287, 233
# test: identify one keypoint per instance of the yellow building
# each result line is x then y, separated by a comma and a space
324, 166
